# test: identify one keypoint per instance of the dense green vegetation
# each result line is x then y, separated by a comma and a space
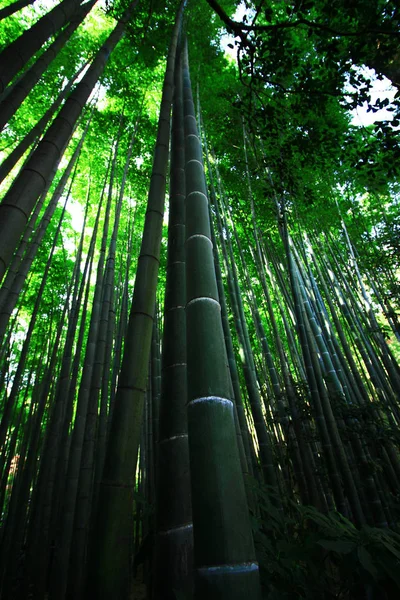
199, 302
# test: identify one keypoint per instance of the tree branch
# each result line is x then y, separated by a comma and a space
239, 28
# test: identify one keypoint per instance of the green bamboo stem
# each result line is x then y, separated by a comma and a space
39, 533
305, 462
341, 396
82, 438
227, 568
243, 432
19, 268
18, 203
93, 426
9, 10
108, 320
16, 510
43, 399
36, 131
111, 548
174, 538
123, 321
37, 564
13, 99
17, 54
265, 452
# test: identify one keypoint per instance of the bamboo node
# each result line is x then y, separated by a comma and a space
199, 235
176, 529
204, 299
172, 438
197, 192
207, 399
235, 568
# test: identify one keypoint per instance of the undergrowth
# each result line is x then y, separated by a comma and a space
303, 553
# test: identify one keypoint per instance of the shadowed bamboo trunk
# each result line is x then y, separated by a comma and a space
17, 273
13, 99
93, 425
227, 567
86, 410
10, 404
111, 544
105, 404
249, 372
17, 54
14, 7
33, 448
121, 331
37, 130
242, 429
19, 201
174, 538
40, 534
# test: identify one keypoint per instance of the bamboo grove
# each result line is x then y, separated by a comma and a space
199, 398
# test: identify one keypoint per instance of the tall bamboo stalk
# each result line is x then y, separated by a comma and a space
111, 544
227, 568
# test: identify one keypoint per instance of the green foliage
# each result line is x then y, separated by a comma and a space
295, 63
306, 554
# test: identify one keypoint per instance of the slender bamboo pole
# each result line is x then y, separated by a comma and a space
174, 538
37, 130
18, 271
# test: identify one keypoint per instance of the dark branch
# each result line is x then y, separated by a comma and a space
239, 28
